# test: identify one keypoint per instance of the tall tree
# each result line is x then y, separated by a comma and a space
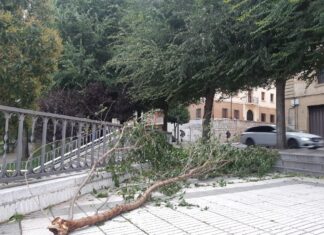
88, 28
176, 51
29, 51
204, 51
143, 58
282, 39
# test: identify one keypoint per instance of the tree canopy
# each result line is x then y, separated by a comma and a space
283, 39
90, 89
30, 48
142, 54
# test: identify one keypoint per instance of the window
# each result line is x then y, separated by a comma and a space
272, 98
253, 129
263, 96
225, 113
198, 113
263, 117
250, 96
272, 118
237, 114
261, 129
249, 115
320, 78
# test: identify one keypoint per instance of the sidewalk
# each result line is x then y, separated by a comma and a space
276, 206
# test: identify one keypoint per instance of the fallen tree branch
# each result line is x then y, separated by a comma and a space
60, 226
91, 172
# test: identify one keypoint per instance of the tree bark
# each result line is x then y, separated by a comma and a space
208, 109
139, 115
165, 118
60, 226
280, 113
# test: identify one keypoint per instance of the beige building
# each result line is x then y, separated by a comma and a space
305, 105
257, 105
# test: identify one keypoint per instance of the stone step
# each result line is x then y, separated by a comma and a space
297, 170
301, 161
303, 158
26, 199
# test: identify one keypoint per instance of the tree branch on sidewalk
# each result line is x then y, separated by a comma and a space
60, 226
157, 165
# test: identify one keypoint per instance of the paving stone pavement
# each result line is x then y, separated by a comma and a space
277, 206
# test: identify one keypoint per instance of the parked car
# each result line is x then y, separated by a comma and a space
266, 136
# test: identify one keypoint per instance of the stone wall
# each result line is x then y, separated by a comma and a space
26, 199
193, 129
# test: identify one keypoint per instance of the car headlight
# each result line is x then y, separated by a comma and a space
305, 139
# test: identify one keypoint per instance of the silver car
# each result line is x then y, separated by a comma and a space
266, 136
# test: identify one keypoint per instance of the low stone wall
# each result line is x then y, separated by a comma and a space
304, 161
26, 199
193, 129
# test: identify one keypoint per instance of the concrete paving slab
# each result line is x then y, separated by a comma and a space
10, 228
275, 206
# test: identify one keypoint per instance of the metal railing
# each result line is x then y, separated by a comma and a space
66, 143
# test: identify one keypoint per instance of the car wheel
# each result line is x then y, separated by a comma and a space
249, 142
314, 147
293, 144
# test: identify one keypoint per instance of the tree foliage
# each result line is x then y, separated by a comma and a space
88, 28
176, 52
95, 101
157, 53
178, 114
83, 86
143, 58
282, 39
30, 48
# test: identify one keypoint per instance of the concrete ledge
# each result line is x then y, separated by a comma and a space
301, 161
24, 200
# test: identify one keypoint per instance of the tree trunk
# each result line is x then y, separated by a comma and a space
280, 113
63, 227
139, 115
165, 118
210, 93
175, 131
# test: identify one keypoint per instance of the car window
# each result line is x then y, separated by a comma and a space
252, 129
268, 129
261, 129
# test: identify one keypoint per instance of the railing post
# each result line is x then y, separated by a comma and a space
63, 142
99, 135
5, 145
86, 143
105, 132
71, 142
21, 119
32, 136
80, 125
44, 136
55, 121
93, 137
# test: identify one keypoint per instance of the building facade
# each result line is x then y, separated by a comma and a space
305, 105
258, 105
